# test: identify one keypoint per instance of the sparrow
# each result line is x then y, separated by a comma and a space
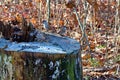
45, 25
62, 30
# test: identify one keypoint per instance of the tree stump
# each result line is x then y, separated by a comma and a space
53, 59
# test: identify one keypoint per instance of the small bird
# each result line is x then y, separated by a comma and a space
46, 25
62, 30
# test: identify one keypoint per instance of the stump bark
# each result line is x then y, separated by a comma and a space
53, 59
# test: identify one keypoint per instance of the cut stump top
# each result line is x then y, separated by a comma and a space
53, 45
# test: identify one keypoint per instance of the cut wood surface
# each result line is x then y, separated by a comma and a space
54, 58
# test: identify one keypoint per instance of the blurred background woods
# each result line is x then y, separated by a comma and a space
94, 23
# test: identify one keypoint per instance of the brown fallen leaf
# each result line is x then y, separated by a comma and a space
70, 4
86, 56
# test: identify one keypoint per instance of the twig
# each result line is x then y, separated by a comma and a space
118, 67
82, 27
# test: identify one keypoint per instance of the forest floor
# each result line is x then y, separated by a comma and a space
105, 61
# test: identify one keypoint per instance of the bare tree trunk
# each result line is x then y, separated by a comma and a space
39, 15
116, 26
48, 10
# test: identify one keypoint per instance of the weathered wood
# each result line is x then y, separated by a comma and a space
54, 59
